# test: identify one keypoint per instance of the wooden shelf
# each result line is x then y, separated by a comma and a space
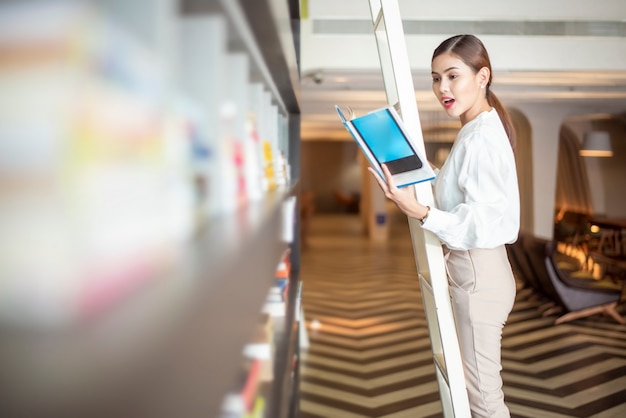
174, 347
170, 351
263, 29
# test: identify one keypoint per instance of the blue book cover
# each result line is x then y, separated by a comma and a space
383, 139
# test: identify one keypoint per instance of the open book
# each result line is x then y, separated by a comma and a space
383, 139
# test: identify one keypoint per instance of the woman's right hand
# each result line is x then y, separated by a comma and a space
403, 197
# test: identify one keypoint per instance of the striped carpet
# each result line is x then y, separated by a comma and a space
369, 352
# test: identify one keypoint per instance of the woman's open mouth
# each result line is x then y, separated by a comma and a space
447, 102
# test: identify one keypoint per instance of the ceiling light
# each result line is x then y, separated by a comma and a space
596, 144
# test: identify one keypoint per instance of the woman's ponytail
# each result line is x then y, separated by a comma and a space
494, 102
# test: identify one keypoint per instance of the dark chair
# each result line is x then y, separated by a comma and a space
578, 298
519, 258
523, 286
539, 279
575, 229
520, 264
612, 267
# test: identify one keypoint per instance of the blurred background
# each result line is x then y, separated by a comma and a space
556, 65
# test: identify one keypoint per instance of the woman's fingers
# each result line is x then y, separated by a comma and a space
388, 176
404, 198
386, 184
379, 180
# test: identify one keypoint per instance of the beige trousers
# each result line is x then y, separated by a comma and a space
483, 291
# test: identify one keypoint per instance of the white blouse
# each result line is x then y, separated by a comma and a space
476, 192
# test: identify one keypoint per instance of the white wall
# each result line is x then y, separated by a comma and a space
345, 51
478, 9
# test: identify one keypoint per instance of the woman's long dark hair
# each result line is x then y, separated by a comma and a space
474, 54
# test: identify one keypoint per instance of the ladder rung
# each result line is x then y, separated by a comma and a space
440, 363
379, 18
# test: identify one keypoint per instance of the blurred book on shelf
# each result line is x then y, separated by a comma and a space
95, 193
248, 398
105, 168
276, 301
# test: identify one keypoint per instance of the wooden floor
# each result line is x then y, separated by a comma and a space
369, 351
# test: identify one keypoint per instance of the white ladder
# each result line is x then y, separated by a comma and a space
429, 259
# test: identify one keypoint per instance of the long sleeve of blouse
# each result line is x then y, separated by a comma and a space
476, 191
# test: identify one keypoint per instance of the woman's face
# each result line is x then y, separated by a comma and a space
458, 88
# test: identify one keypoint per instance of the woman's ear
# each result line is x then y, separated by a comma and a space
484, 76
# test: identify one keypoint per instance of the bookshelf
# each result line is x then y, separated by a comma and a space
163, 334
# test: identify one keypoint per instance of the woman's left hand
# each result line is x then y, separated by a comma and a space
403, 197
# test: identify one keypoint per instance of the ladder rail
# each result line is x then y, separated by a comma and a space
430, 263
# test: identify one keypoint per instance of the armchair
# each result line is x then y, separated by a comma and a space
578, 298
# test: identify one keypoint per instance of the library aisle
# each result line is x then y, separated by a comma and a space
369, 352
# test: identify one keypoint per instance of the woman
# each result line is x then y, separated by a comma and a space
476, 212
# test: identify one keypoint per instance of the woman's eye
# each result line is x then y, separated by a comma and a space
453, 76
436, 79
